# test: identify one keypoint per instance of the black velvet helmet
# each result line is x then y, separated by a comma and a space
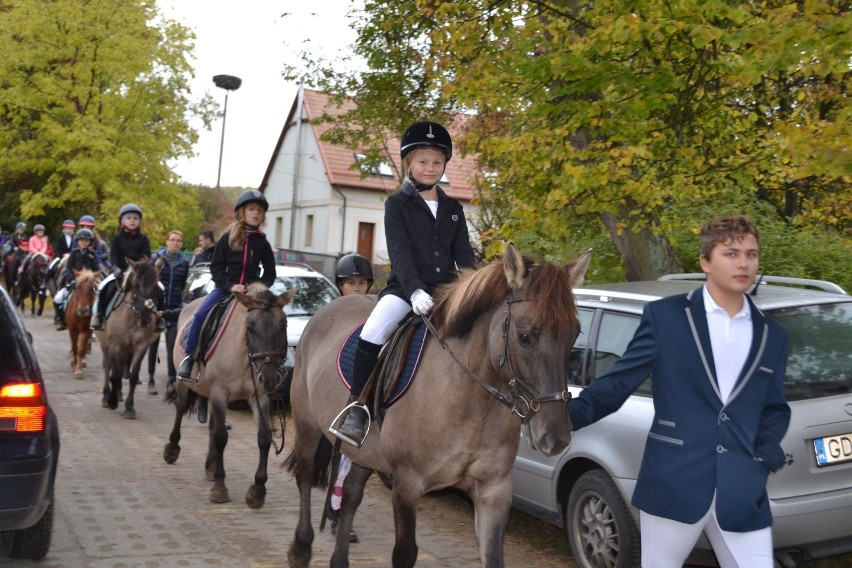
354, 265
424, 134
251, 196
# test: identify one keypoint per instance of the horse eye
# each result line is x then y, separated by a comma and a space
524, 338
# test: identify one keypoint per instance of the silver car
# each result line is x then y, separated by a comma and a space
587, 489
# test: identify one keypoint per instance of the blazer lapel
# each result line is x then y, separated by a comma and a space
697, 316
758, 343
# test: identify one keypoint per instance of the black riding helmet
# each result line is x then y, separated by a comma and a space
426, 134
354, 265
83, 234
251, 196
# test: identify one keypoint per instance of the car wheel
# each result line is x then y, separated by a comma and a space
599, 525
33, 543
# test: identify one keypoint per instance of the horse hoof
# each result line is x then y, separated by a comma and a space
255, 496
78, 375
129, 413
219, 495
106, 404
171, 453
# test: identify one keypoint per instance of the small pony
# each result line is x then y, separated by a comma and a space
246, 363
78, 317
498, 363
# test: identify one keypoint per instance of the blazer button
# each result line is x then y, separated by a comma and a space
720, 449
723, 416
437, 270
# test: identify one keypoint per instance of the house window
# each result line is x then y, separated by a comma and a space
279, 230
382, 169
309, 231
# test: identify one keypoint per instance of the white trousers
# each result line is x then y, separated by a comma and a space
667, 543
384, 319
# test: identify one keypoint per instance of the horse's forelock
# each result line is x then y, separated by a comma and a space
262, 295
459, 303
550, 288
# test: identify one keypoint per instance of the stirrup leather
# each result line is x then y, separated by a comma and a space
336, 423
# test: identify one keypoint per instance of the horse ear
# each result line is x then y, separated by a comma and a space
285, 298
577, 269
246, 300
76, 272
160, 263
513, 266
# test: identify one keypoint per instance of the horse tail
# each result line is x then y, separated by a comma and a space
171, 397
322, 462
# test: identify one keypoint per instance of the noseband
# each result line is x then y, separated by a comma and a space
523, 399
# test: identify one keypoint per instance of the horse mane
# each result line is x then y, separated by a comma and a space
458, 304
84, 275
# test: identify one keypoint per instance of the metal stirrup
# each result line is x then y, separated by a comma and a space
334, 428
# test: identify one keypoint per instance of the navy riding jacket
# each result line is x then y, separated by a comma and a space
424, 251
126, 245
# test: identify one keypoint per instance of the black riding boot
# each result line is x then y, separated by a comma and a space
185, 371
101, 304
354, 427
59, 317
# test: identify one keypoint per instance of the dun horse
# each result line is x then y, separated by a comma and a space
78, 316
507, 332
129, 332
247, 363
33, 283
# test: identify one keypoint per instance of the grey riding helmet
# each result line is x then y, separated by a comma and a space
129, 208
251, 196
83, 234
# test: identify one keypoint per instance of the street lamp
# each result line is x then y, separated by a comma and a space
229, 83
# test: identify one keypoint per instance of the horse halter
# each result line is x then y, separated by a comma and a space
523, 399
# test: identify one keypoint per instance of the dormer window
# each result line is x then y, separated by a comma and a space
383, 168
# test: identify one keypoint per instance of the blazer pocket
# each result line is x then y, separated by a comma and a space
666, 439
765, 372
668, 423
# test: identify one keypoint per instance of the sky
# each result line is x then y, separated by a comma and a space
251, 40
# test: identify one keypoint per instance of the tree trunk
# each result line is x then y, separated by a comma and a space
645, 256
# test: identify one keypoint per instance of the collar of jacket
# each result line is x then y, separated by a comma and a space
410, 191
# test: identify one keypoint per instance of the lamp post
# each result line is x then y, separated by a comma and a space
229, 83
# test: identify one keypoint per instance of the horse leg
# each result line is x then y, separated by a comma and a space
41, 300
80, 352
172, 450
407, 491
256, 493
218, 441
492, 503
309, 443
136, 363
353, 492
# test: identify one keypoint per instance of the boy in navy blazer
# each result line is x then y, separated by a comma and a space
717, 365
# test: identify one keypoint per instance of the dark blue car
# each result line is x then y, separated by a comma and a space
29, 443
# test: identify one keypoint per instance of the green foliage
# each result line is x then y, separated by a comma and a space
610, 118
94, 103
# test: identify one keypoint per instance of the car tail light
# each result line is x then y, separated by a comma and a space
22, 408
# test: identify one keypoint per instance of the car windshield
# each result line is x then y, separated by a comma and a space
820, 361
311, 295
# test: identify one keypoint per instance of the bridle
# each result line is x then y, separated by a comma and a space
257, 361
523, 399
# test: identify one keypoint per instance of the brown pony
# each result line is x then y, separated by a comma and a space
129, 331
507, 329
247, 364
78, 316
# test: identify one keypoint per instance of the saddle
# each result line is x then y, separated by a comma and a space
212, 328
396, 367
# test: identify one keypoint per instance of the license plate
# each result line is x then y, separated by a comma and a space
833, 449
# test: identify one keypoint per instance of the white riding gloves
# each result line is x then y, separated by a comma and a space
422, 302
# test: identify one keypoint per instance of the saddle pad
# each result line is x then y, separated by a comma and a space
216, 321
346, 361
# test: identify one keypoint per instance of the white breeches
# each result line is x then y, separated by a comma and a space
384, 319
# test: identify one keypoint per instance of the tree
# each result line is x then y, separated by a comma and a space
94, 103
633, 116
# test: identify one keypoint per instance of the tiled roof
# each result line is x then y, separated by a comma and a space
339, 161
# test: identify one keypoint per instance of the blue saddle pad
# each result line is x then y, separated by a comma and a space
346, 360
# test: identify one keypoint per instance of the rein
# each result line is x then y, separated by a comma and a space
521, 390
267, 358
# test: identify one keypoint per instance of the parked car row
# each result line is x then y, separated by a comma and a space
587, 489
